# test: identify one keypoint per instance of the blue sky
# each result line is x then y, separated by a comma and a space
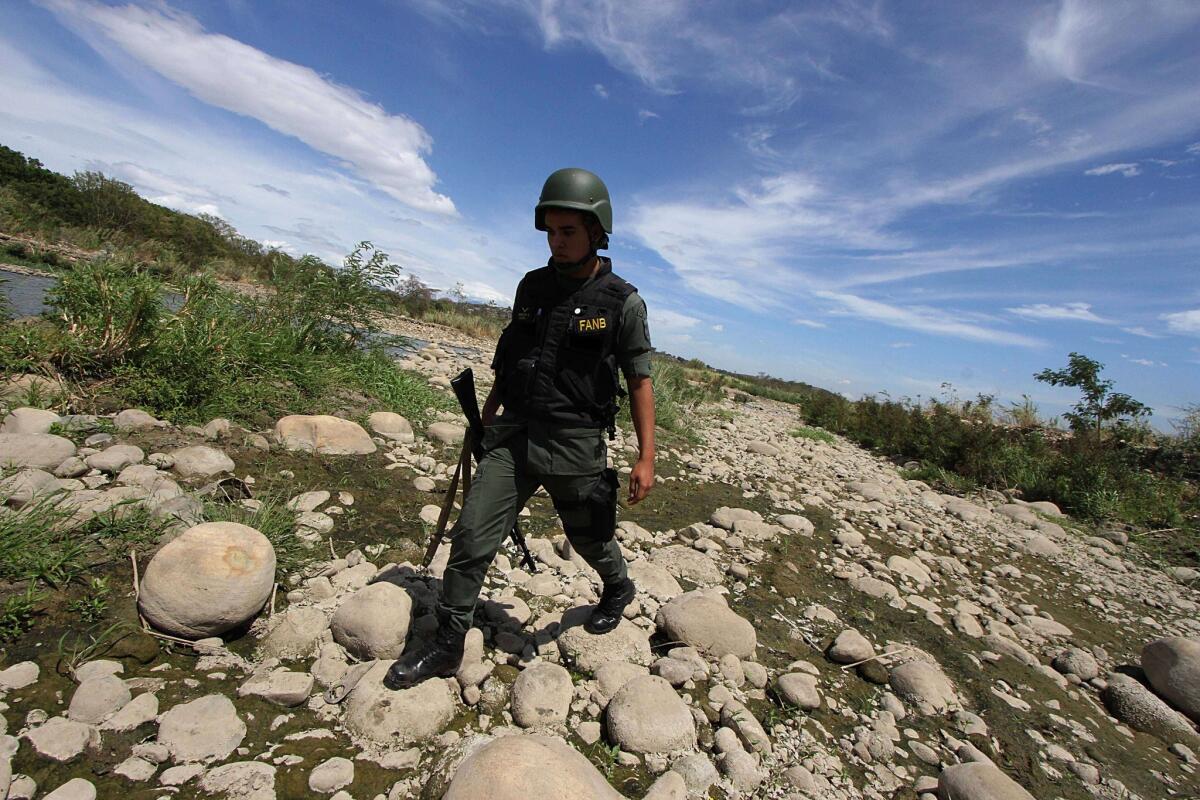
869, 196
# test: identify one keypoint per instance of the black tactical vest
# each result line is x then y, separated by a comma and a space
557, 360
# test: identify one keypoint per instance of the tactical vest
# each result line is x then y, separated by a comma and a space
557, 359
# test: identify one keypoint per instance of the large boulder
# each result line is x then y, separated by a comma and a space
27, 486
399, 718
979, 780
647, 716
446, 432
323, 434
1172, 665
38, 450
588, 652
206, 729
923, 684
201, 461
703, 621
391, 426
210, 579
1141, 709
134, 419
528, 767
113, 459
29, 420
373, 622
541, 695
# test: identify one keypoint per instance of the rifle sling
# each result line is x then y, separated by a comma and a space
463, 468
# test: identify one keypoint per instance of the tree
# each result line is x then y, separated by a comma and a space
1099, 403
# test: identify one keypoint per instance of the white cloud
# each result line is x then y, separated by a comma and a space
1138, 330
1144, 362
809, 323
1183, 321
671, 322
718, 328
1128, 170
1078, 312
1194, 148
900, 345
645, 114
926, 320
385, 149
600, 90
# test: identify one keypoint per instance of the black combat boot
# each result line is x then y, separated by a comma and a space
439, 658
608, 611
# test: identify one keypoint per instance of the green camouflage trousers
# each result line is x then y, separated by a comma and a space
503, 483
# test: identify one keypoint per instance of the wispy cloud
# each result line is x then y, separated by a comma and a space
1076, 312
1138, 330
1128, 170
1183, 321
809, 323
645, 114
600, 90
385, 149
926, 320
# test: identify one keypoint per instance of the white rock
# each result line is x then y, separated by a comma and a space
135, 769
373, 622
37, 450
210, 579
925, 685
796, 523
112, 460
29, 420
654, 580
241, 780
201, 461
74, 789
331, 775
707, 624
134, 419
799, 689
28, 486
1139, 708
308, 501
62, 739
647, 716
18, 676
541, 695
137, 712
528, 767
850, 646
587, 652
446, 432
296, 634
206, 729
1172, 665
281, 686
391, 426
979, 781
323, 434
399, 718
97, 699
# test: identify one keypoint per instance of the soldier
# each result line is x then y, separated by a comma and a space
574, 323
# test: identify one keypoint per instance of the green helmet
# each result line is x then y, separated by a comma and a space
576, 190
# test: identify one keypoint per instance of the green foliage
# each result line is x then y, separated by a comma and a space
17, 612
111, 310
815, 434
1099, 404
328, 309
92, 605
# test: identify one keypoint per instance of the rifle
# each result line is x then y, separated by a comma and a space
464, 389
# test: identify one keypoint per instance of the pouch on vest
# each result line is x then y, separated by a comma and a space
603, 502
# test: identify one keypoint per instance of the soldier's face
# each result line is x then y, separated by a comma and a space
567, 234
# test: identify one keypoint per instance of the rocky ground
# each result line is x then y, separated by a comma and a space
808, 625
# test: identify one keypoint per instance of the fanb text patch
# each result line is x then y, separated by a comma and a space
592, 325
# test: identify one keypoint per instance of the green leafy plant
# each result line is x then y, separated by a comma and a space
1099, 404
94, 603
815, 434
17, 612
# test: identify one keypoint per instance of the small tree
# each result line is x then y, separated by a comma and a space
1099, 403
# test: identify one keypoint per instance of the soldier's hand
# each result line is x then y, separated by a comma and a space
641, 480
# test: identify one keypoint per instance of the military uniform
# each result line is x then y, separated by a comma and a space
557, 376
525, 450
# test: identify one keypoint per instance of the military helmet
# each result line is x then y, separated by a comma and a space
576, 190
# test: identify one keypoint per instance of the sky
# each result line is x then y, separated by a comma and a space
868, 196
